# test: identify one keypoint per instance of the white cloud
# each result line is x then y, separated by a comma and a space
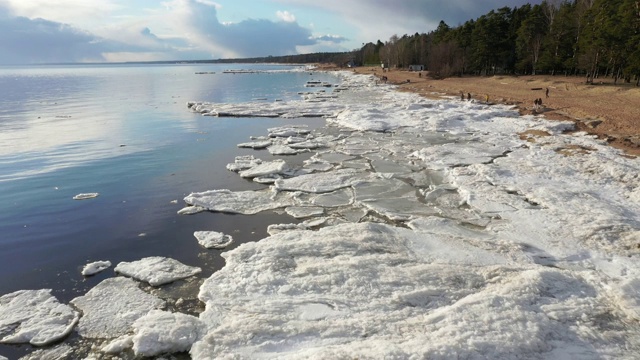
64, 11
286, 16
379, 19
199, 23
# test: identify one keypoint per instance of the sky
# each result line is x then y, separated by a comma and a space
45, 31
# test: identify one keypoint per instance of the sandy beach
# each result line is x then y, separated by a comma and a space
611, 112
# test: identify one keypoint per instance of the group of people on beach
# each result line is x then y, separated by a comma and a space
537, 103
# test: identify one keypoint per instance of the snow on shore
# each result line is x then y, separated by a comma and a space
453, 232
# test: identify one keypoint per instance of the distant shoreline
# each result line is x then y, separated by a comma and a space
611, 112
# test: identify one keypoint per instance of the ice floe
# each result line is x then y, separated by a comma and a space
85, 196
242, 202
35, 317
95, 267
157, 270
110, 308
213, 239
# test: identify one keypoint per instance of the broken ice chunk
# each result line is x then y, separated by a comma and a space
336, 198
288, 131
309, 144
111, 307
213, 239
241, 202
267, 168
260, 144
317, 165
280, 149
35, 317
118, 345
300, 212
156, 270
319, 183
268, 179
95, 267
244, 162
161, 332
191, 210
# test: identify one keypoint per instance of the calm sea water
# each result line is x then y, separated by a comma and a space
123, 131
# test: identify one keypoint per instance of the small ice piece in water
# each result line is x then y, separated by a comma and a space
213, 239
85, 196
191, 210
156, 270
111, 307
95, 267
161, 332
35, 317
300, 212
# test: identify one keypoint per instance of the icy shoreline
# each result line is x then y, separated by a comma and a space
435, 229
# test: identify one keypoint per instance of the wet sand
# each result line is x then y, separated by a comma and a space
611, 112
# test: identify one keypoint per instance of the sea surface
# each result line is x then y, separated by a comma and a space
123, 131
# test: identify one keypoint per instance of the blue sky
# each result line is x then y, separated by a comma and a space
42, 31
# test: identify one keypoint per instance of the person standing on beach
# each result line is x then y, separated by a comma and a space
468, 96
547, 93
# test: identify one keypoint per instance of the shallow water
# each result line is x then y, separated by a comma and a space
125, 132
